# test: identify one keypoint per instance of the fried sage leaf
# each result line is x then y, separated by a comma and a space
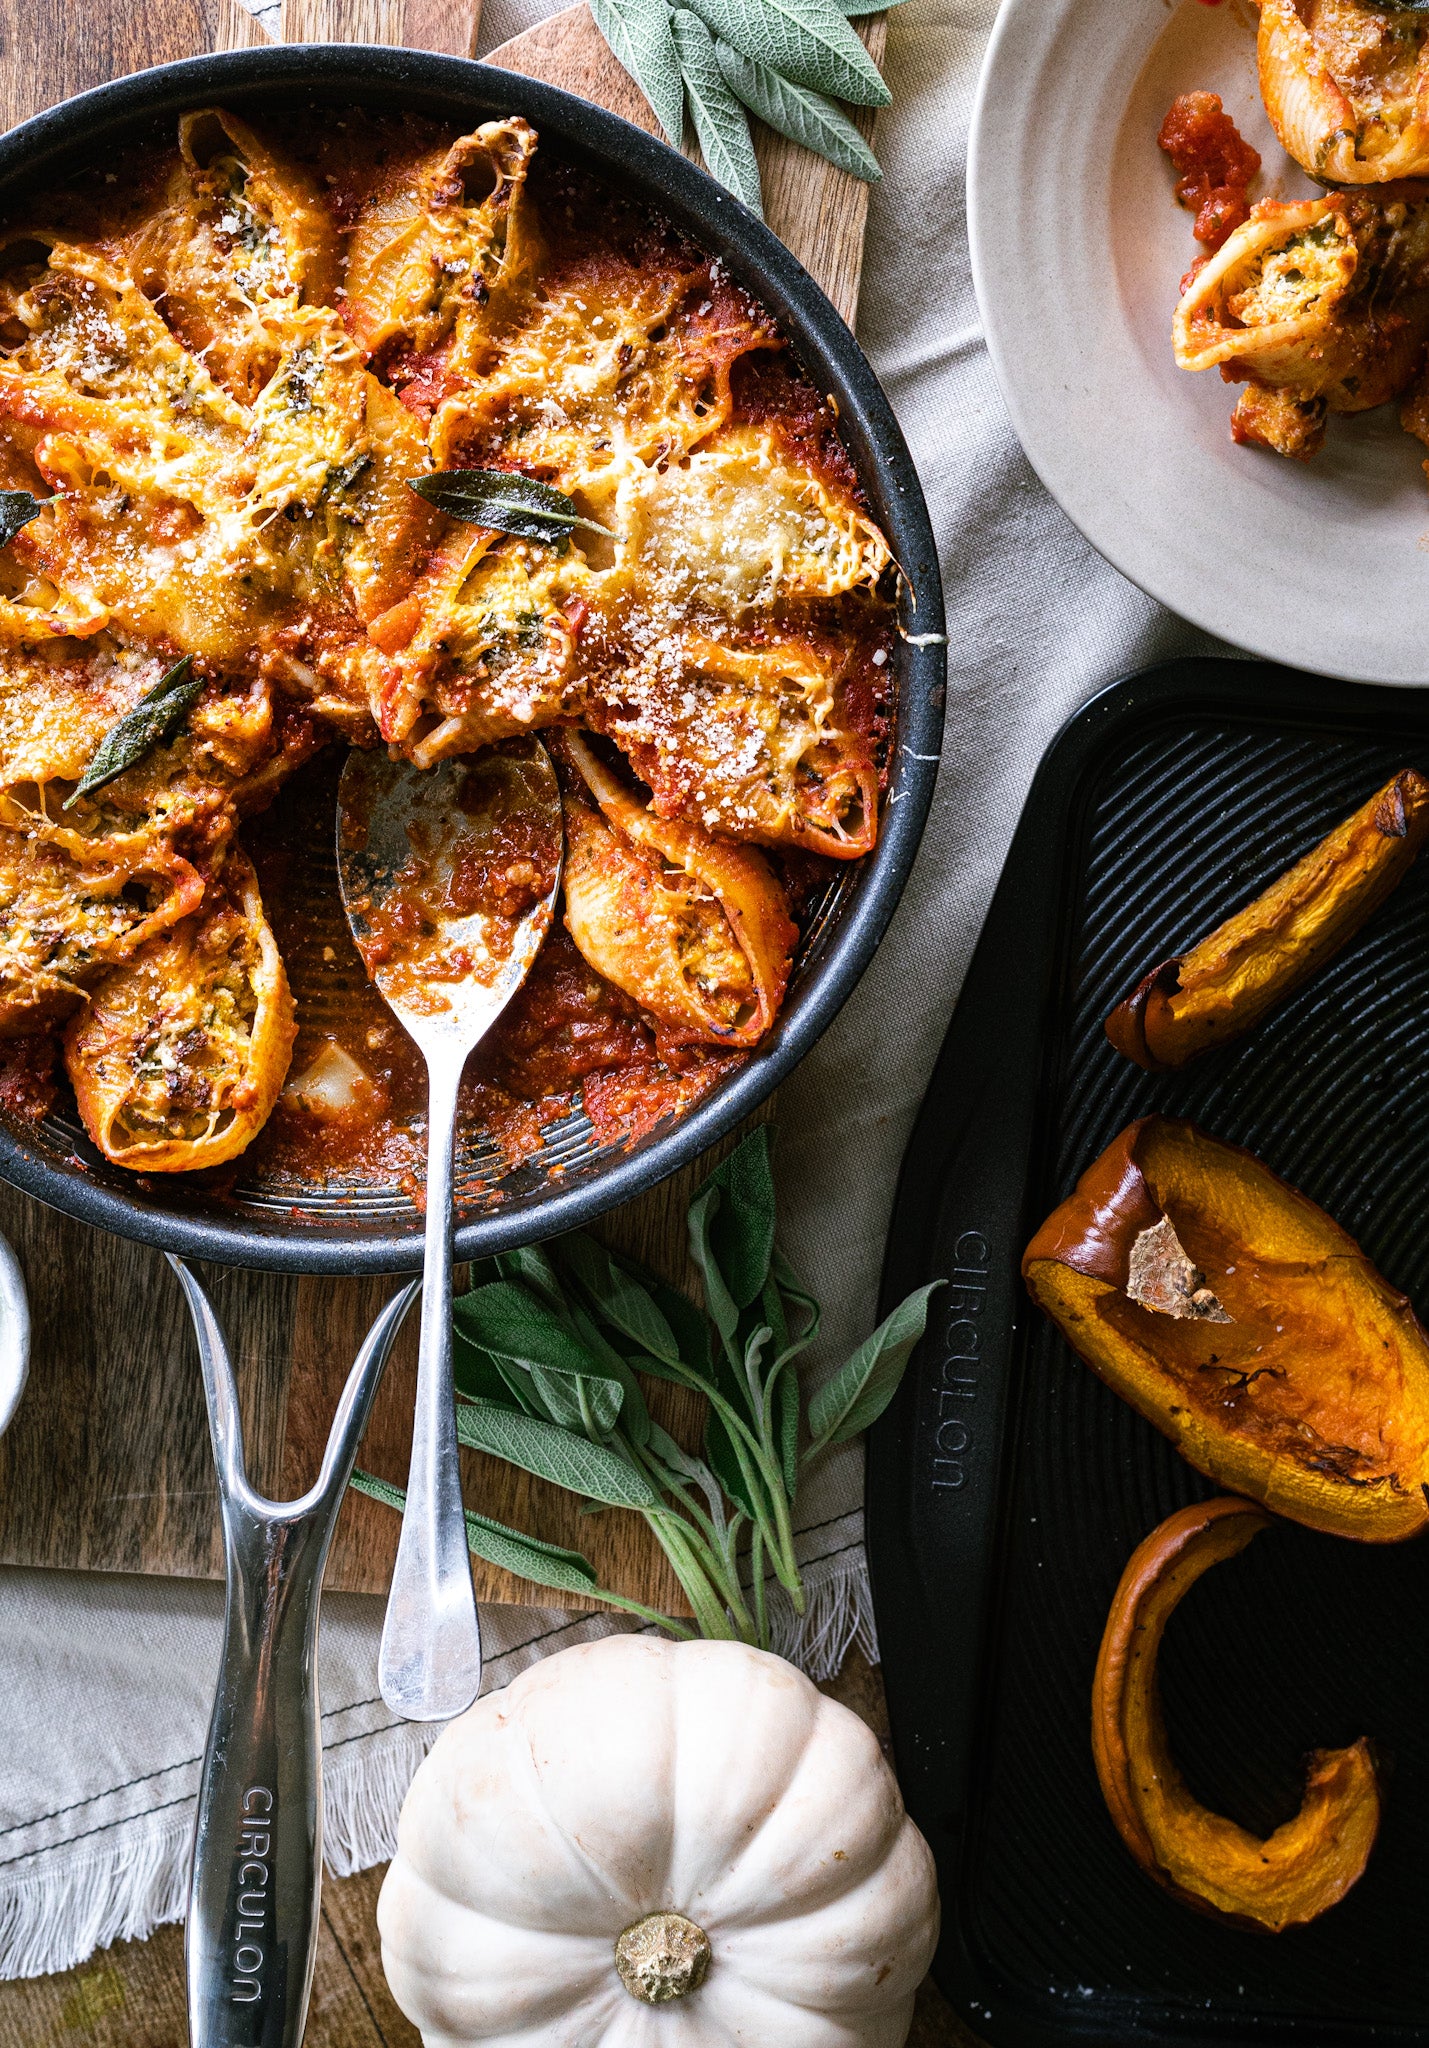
153, 721
507, 502
17, 509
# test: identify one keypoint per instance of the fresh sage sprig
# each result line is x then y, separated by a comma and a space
639, 35
507, 502
549, 1346
806, 117
155, 719
787, 61
718, 117
17, 509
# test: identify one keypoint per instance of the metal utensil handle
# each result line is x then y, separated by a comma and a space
430, 1663
253, 1901
257, 1866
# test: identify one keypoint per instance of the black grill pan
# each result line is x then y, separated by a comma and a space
1008, 1486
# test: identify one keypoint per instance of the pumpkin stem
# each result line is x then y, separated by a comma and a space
661, 1957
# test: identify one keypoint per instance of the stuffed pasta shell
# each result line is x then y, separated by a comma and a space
1318, 306
693, 929
72, 906
181, 1053
243, 239
1346, 86
435, 242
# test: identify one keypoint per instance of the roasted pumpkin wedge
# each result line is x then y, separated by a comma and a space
1204, 1859
1247, 965
696, 930
1243, 1322
181, 1053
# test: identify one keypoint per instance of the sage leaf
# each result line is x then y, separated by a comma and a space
638, 32
516, 1329
17, 509
723, 1308
559, 1455
527, 1557
732, 1228
785, 1285
620, 1297
854, 7
154, 720
691, 1331
545, 1564
478, 1376
806, 41
720, 121
722, 1461
531, 1265
793, 110
506, 502
864, 1385
633, 1412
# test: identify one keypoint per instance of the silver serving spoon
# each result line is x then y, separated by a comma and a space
449, 878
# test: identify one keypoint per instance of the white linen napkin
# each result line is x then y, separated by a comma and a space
105, 1682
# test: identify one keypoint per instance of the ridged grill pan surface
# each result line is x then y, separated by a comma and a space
1008, 1486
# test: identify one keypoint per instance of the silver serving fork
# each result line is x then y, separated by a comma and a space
251, 1937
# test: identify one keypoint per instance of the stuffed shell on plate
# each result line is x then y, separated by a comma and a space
1346, 86
1150, 194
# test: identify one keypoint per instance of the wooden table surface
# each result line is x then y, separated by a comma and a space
132, 1995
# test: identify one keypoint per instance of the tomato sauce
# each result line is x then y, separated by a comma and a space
27, 1076
352, 1116
567, 1037
1214, 164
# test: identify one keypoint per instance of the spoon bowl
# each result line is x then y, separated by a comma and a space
449, 878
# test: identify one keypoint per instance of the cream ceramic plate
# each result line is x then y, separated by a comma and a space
1077, 248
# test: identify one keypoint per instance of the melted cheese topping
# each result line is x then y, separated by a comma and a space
182, 1053
223, 399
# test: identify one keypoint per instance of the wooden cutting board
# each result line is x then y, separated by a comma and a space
106, 1465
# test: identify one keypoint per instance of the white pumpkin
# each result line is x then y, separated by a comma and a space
648, 1844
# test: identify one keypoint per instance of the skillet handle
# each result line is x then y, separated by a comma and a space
253, 1899
257, 1865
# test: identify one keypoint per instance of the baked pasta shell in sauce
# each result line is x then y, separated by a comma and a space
180, 1054
222, 363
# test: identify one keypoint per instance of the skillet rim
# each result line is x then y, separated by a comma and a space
58, 141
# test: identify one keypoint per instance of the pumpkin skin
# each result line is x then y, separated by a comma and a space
1200, 1857
634, 1776
1235, 976
1309, 1393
